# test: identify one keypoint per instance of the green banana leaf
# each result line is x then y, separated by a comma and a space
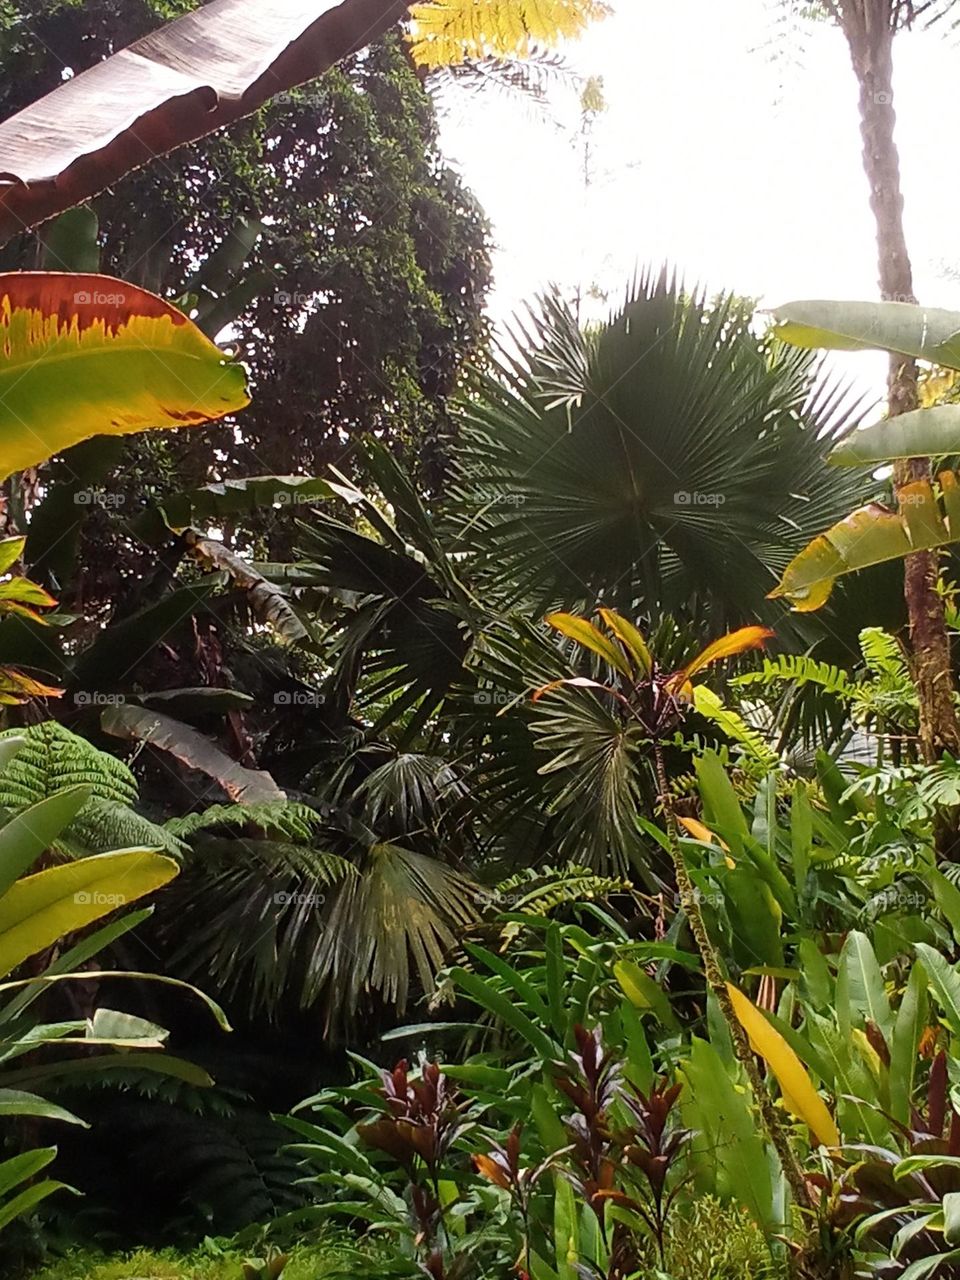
926, 333
925, 433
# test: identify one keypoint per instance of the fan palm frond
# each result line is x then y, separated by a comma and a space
671, 461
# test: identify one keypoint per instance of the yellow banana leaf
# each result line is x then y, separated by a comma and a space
871, 535
36, 911
85, 355
799, 1095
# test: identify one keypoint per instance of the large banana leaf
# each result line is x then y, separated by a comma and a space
926, 333
924, 433
85, 355
244, 786
871, 535
195, 507
193, 76
39, 909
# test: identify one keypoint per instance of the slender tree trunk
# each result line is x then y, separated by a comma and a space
870, 27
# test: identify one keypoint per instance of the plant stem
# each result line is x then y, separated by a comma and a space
713, 972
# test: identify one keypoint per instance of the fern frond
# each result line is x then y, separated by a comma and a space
53, 759
296, 823
711, 707
544, 890
102, 825
800, 670
882, 654
451, 32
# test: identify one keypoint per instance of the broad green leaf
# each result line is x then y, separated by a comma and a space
927, 333
11, 549
38, 910
871, 535
799, 1095
26, 1200
113, 1026
924, 433
85, 355
944, 983
17, 1102
213, 502
643, 992
929, 1266
18, 1168
947, 897
951, 1217
864, 982
565, 1233
587, 635
88, 974
33, 831
905, 1042
721, 807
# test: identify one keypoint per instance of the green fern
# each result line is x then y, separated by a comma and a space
53, 759
295, 823
800, 670
882, 654
546, 889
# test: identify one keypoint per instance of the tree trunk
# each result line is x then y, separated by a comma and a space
870, 27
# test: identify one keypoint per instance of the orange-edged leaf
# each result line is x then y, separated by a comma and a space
23, 591
727, 646
630, 638
799, 1095
490, 1170
587, 635
700, 832
85, 355
17, 688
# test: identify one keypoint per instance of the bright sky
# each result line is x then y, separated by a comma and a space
730, 148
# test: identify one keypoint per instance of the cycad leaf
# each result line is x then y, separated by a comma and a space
798, 1092
88, 355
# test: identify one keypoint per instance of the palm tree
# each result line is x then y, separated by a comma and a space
667, 463
870, 28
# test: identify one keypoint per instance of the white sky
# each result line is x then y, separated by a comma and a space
730, 148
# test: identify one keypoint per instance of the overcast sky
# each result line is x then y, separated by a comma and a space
730, 148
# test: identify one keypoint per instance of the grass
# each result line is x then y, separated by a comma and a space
306, 1262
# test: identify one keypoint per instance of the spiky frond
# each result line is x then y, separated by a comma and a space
448, 32
393, 924
669, 462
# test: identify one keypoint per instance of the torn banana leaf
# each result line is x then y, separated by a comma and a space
267, 602
926, 333
871, 535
